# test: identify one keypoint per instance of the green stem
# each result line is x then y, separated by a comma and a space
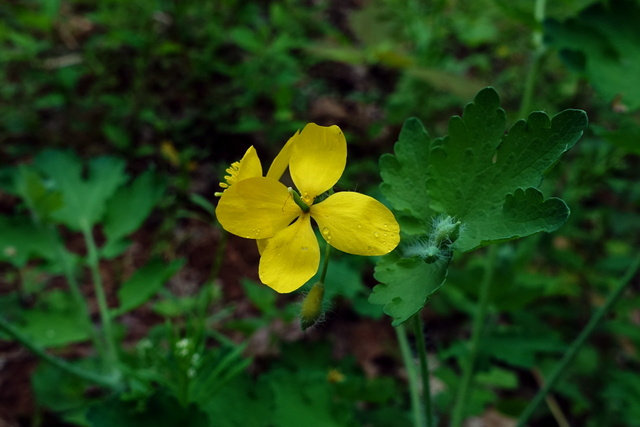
424, 367
476, 334
105, 316
76, 294
412, 375
539, 51
6, 327
325, 264
596, 318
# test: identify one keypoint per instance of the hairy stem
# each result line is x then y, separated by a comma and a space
568, 357
478, 326
539, 51
412, 375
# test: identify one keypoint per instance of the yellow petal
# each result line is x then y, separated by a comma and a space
356, 224
291, 257
318, 160
281, 162
262, 244
256, 208
250, 165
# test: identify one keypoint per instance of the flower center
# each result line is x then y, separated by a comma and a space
302, 203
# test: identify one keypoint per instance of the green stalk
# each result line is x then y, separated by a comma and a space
424, 367
568, 357
412, 375
7, 328
105, 316
476, 334
76, 294
325, 264
539, 51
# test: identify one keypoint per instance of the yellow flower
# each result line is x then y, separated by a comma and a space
263, 208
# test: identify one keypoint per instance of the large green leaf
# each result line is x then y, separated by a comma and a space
485, 179
404, 182
603, 44
84, 199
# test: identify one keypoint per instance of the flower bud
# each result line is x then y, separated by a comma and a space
312, 306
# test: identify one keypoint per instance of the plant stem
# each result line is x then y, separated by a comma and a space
412, 375
539, 51
63, 259
476, 334
106, 381
325, 264
105, 316
596, 318
424, 367
552, 403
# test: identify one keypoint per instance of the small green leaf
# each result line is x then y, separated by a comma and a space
55, 321
145, 283
42, 201
406, 284
84, 199
22, 240
131, 205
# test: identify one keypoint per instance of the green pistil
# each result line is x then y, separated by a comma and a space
298, 200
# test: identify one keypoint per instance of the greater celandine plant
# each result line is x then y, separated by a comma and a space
476, 187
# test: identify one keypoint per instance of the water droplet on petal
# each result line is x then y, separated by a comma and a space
325, 231
376, 234
386, 225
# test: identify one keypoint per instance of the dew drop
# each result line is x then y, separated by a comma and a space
386, 226
325, 231
359, 226
385, 234
376, 234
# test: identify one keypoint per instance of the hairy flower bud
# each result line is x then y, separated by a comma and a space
311, 311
